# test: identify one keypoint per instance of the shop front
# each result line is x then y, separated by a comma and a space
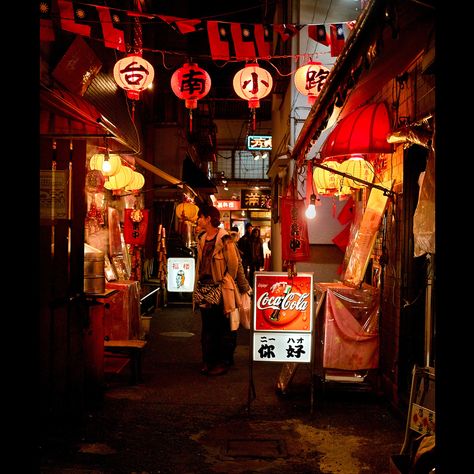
376, 110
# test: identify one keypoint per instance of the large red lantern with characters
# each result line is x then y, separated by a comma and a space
191, 83
134, 74
253, 83
309, 80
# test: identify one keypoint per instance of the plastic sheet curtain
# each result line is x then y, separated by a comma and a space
351, 336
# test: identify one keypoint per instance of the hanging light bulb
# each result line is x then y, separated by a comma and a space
108, 163
310, 212
106, 166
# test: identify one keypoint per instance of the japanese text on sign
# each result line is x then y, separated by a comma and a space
278, 347
283, 323
256, 199
228, 204
259, 142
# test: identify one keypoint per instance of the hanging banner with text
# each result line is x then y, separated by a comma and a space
283, 317
294, 230
135, 224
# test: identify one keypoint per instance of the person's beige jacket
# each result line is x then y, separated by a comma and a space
224, 267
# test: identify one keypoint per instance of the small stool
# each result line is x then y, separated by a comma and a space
132, 348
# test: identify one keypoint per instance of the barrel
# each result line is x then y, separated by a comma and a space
94, 278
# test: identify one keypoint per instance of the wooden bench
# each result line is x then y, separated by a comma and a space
133, 349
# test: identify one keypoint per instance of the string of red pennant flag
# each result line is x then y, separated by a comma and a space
227, 40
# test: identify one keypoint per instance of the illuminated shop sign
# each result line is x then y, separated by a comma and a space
181, 274
230, 205
283, 317
255, 199
259, 142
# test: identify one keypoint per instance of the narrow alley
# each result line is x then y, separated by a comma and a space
179, 421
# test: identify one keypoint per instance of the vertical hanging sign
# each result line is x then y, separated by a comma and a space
135, 225
294, 230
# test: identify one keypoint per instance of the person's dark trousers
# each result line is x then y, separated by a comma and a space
217, 340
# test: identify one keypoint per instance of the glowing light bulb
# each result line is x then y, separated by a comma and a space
106, 166
310, 212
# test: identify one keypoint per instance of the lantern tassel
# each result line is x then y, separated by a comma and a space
254, 122
190, 120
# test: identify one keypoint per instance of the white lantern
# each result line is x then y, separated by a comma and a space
134, 74
109, 164
120, 180
253, 83
310, 79
358, 167
325, 181
137, 182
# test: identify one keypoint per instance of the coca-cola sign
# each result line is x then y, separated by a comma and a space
283, 303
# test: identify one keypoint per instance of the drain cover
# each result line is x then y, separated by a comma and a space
177, 334
256, 448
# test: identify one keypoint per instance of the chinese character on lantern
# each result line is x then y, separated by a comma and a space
134, 74
191, 83
253, 83
310, 79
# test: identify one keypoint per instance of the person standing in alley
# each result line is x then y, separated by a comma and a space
256, 253
216, 264
243, 245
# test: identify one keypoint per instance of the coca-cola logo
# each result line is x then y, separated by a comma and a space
283, 303
296, 301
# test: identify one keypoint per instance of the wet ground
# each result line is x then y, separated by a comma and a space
179, 421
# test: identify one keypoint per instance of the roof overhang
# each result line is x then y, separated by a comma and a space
386, 39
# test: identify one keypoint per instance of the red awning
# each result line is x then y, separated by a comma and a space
364, 130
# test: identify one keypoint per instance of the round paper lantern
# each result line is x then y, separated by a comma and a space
358, 167
253, 83
309, 80
134, 74
187, 211
325, 181
109, 167
120, 180
137, 182
191, 83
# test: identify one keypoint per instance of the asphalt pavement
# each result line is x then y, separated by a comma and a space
177, 420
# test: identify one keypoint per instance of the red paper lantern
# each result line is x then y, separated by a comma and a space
253, 83
191, 83
310, 79
134, 74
